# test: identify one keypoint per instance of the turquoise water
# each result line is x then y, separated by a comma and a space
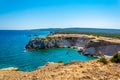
13, 54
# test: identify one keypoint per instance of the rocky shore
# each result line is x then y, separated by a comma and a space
88, 45
91, 70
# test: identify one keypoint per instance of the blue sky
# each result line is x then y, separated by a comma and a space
33, 14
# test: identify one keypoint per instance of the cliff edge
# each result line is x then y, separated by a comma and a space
89, 44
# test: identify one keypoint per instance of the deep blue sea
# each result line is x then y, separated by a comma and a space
13, 53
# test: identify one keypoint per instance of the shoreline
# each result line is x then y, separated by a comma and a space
88, 45
10, 69
17, 69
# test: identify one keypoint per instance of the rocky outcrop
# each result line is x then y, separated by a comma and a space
101, 47
40, 43
93, 47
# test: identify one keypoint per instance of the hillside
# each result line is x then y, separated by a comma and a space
91, 70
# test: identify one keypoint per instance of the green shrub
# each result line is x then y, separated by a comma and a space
103, 60
116, 58
60, 62
66, 63
49, 38
43, 39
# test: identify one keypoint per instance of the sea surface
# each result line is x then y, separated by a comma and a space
13, 53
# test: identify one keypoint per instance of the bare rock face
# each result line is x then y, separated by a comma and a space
102, 48
38, 43
98, 48
106, 50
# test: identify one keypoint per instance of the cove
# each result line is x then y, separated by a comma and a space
41, 57
13, 54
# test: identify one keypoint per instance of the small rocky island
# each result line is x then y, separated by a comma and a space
88, 45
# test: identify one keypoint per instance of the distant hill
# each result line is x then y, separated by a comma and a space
47, 29
116, 31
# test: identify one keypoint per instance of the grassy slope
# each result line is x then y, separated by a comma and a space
89, 33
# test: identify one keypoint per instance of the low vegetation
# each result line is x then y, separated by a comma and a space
103, 60
116, 58
43, 38
60, 62
66, 63
47, 38
98, 34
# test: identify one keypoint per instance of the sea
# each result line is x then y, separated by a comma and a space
14, 54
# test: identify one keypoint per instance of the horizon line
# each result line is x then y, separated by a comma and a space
61, 28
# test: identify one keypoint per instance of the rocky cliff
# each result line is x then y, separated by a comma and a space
101, 47
96, 47
50, 42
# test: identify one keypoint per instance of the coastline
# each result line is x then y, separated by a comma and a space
90, 70
10, 69
94, 38
88, 45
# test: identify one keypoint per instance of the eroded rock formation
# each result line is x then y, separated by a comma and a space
39, 43
98, 47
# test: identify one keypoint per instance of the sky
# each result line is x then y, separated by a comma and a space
36, 14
